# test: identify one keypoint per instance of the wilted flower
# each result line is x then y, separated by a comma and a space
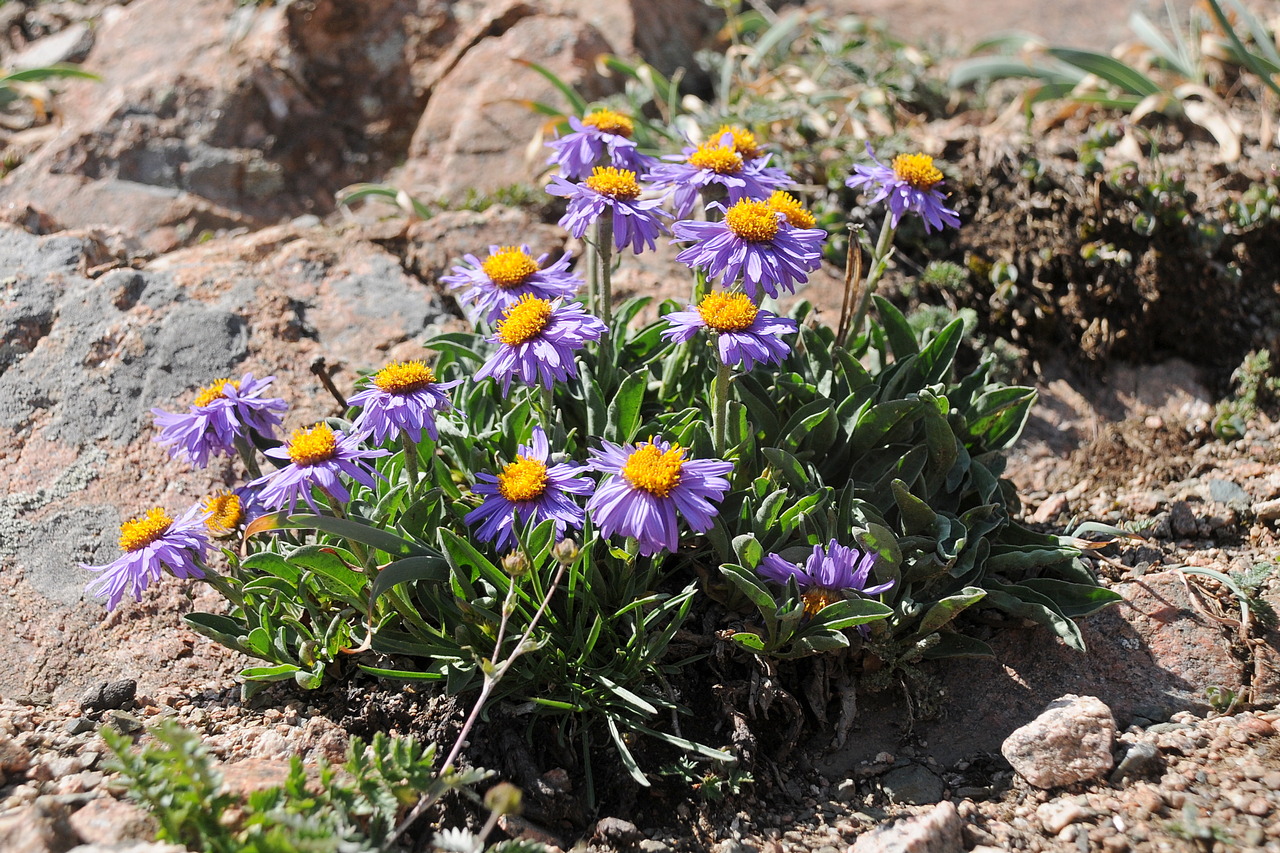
720, 161
597, 134
745, 334
828, 573
152, 543
647, 484
911, 186
616, 192
530, 488
317, 458
510, 272
221, 412
754, 241
536, 341
402, 398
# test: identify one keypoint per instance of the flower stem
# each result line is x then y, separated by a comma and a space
720, 407
604, 247
410, 460
246, 456
879, 263
701, 287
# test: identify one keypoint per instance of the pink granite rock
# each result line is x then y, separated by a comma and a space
1069, 742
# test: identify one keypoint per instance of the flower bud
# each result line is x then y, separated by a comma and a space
516, 564
503, 798
565, 551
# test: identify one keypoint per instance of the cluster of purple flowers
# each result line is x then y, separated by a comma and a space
644, 488
764, 243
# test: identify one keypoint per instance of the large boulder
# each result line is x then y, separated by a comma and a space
87, 357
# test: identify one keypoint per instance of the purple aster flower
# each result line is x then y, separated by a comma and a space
317, 457
614, 192
597, 135
531, 489
647, 484
402, 398
498, 282
152, 543
536, 341
718, 161
745, 334
827, 574
910, 185
755, 241
220, 413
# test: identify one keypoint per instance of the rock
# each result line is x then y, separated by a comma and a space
1051, 509
936, 831
617, 832
122, 721
68, 45
107, 820
40, 827
1227, 492
110, 695
914, 784
15, 760
1267, 510
253, 774
1069, 742
1057, 815
1141, 760
464, 142
1182, 520
91, 356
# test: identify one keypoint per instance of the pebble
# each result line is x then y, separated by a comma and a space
1056, 816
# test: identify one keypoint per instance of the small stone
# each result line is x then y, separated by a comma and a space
937, 831
1069, 742
1056, 816
1258, 807
78, 725
14, 758
617, 832
1267, 510
122, 721
110, 695
1141, 760
650, 845
914, 784
1254, 726
1182, 520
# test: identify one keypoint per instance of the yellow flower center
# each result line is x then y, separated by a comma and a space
917, 170
215, 391
790, 207
524, 320
509, 266
615, 183
744, 141
609, 121
819, 597
728, 312
752, 220
404, 377
225, 513
310, 446
140, 532
721, 159
523, 480
656, 471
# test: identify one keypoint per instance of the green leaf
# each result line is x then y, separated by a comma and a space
787, 465
273, 564
748, 549
576, 102
221, 629
1073, 599
750, 585
880, 420
280, 672
918, 517
408, 570
31, 75
347, 528
325, 562
999, 415
902, 340
624, 414
942, 612
953, 645
1108, 68
628, 760
937, 357
850, 612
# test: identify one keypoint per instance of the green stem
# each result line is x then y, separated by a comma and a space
225, 587
879, 263
701, 287
410, 461
604, 246
246, 456
720, 407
